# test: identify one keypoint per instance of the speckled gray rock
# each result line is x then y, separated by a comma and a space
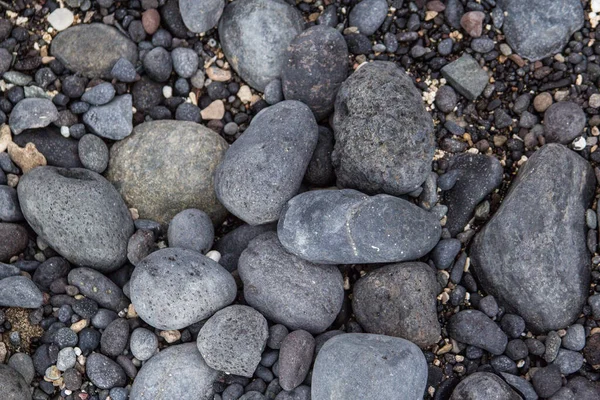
124, 71
361, 366
179, 371
477, 329
185, 163
563, 122
14, 240
58, 150
9, 205
173, 288
143, 344
32, 113
79, 49
477, 176
540, 28
113, 120
399, 300
521, 257
12, 385
264, 168
320, 169
349, 227
315, 67
201, 15
235, 242
104, 372
295, 358
185, 61
158, 64
98, 287
287, 289
368, 15
93, 153
255, 34
191, 229
114, 338
79, 214
483, 385
233, 340
384, 135
19, 291
23, 364
466, 76
99, 94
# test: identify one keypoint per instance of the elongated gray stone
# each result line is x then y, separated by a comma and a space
32, 113
19, 291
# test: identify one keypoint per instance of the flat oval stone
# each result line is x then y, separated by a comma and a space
173, 288
80, 49
521, 256
349, 227
79, 214
98, 287
484, 385
264, 168
104, 372
179, 371
13, 240
19, 291
359, 366
13, 386
183, 157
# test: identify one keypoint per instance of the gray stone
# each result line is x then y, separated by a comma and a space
568, 361
140, 245
320, 170
80, 49
477, 329
540, 28
466, 76
50, 270
104, 372
287, 289
348, 227
143, 344
12, 385
19, 291
58, 150
79, 214
9, 205
264, 168
483, 385
113, 120
173, 288
179, 372
185, 61
98, 287
103, 318
574, 339
191, 229
233, 340
235, 242
295, 358
66, 359
32, 113
399, 300
315, 67
368, 15
547, 380
185, 155
93, 153
6, 59
7, 270
114, 338
444, 253
383, 133
552, 344
274, 92
201, 15
477, 176
13, 240
563, 122
124, 71
99, 94
360, 366
521, 257
23, 364
255, 34
522, 386
584, 388
158, 64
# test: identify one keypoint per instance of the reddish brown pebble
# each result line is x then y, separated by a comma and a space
436, 5
472, 22
150, 21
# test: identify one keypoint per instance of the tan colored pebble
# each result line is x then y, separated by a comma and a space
26, 158
79, 325
5, 137
134, 213
499, 140
131, 313
3, 352
215, 110
594, 101
245, 94
218, 74
170, 336
542, 101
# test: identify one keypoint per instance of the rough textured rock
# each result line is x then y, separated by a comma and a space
295, 359
255, 34
521, 257
79, 49
477, 176
13, 386
316, 65
264, 168
233, 340
173, 288
98, 287
182, 170
368, 15
19, 291
483, 385
235, 242
113, 120
104, 372
201, 15
477, 329
360, 366
32, 113
58, 150
384, 135
287, 289
348, 227
191, 229
79, 214
13, 240
563, 122
399, 300
178, 371
466, 76
540, 28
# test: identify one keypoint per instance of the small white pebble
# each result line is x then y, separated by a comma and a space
214, 255
167, 92
579, 143
64, 130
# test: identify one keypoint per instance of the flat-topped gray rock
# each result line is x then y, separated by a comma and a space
523, 257
466, 76
92, 49
32, 113
349, 227
19, 291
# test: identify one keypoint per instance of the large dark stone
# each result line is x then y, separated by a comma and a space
477, 329
384, 134
58, 150
349, 227
532, 254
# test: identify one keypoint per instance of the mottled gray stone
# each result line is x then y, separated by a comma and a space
19, 291
143, 344
99, 94
477, 329
23, 364
32, 113
9, 205
98, 287
368, 15
521, 256
12, 385
191, 229
295, 358
104, 372
563, 122
235, 242
483, 385
201, 15
113, 120
466, 76
58, 150
93, 153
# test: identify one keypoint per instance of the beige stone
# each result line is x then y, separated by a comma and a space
170, 336
217, 74
26, 158
215, 110
5, 137
245, 94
